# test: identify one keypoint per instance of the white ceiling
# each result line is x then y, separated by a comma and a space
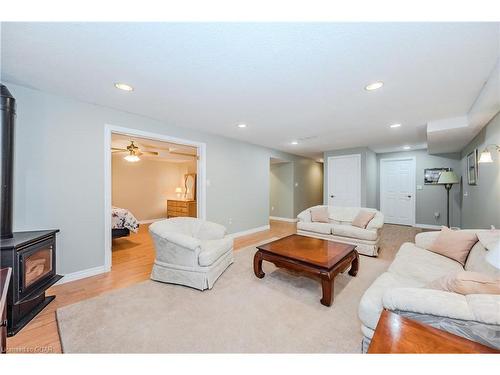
286, 81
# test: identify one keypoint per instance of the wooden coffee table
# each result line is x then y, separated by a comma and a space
311, 256
397, 334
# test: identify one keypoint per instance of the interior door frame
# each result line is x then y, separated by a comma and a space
331, 158
414, 190
201, 181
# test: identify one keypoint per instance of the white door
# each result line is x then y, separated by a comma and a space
397, 190
344, 180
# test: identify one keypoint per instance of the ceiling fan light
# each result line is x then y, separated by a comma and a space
132, 158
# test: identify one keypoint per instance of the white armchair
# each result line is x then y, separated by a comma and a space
190, 252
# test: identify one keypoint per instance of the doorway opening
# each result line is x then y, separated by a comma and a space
148, 177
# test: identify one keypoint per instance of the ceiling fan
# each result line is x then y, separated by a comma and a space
172, 151
133, 152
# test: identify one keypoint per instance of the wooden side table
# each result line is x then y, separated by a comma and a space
5, 274
396, 334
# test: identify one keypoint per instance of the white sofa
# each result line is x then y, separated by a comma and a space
401, 289
190, 251
340, 229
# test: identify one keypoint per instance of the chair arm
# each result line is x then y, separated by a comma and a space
377, 222
428, 301
305, 216
425, 239
183, 240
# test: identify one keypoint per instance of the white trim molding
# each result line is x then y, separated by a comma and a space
201, 180
89, 272
283, 219
249, 231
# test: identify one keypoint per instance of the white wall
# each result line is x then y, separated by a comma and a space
59, 173
481, 202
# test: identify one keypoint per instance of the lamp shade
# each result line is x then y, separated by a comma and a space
493, 256
448, 177
485, 157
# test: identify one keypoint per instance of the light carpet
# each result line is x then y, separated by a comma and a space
280, 313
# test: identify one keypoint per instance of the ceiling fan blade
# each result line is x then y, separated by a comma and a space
156, 147
184, 154
149, 153
118, 149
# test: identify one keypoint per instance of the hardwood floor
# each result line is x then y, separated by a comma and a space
133, 257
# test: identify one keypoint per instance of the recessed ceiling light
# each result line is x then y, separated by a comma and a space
124, 86
406, 147
294, 142
395, 125
241, 126
374, 86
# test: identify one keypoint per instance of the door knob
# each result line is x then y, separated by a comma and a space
332, 196
409, 196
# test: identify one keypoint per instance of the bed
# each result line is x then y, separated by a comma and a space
122, 222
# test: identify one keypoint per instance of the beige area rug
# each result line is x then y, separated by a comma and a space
280, 313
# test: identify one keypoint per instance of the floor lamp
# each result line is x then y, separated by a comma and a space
448, 178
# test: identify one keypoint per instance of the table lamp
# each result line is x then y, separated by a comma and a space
448, 178
178, 190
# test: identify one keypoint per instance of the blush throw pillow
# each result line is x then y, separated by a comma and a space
363, 218
319, 215
454, 244
465, 282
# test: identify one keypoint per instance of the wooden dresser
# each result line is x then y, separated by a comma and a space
176, 208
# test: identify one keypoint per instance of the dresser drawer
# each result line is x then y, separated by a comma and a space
176, 208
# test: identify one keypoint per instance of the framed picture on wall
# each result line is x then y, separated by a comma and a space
431, 175
472, 168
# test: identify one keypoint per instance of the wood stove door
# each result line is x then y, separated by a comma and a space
36, 264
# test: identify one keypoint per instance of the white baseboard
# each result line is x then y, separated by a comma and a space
151, 220
283, 219
428, 226
82, 274
249, 231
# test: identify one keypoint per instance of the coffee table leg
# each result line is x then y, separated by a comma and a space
354, 265
327, 287
257, 265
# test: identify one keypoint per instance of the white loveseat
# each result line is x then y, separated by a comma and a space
340, 229
402, 289
190, 251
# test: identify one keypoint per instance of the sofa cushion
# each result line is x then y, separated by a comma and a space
454, 244
489, 238
319, 215
476, 261
465, 282
211, 250
371, 306
354, 232
422, 265
322, 228
363, 218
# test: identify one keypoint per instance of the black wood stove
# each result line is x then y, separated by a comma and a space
31, 255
